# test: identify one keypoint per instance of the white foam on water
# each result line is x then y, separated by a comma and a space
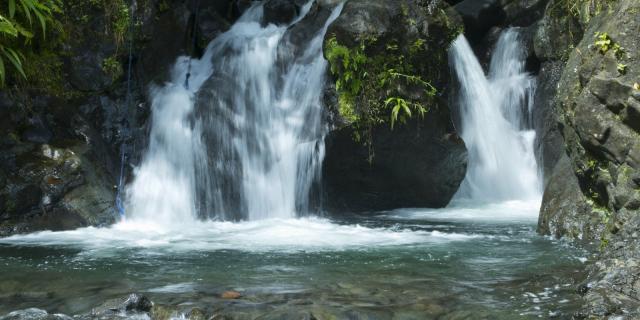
282, 235
515, 211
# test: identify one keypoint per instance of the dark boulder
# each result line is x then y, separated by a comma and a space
136, 302
564, 211
523, 12
280, 12
418, 165
479, 16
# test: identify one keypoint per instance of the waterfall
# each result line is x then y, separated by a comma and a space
495, 118
246, 139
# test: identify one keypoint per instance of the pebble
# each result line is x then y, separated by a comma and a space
231, 295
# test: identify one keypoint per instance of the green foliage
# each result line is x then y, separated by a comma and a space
603, 43
117, 12
17, 30
370, 86
622, 68
112, 67
583, 9
393, 79
350, 65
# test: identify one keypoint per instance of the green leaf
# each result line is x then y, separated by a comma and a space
14, 58
27, 9
43, 21
12, 8
394, 115
7, 28
1, 72
406, 108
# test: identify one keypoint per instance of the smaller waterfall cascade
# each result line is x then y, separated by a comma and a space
246, 139
496, 125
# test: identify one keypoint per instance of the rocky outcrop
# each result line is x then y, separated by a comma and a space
593, 192
596, 100
552, 37
480, 16
418, 165
370, 166
62, 130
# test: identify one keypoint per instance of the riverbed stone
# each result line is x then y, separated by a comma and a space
231, 295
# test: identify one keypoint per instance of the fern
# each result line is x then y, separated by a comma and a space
16, 26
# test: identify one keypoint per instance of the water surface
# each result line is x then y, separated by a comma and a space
462, 262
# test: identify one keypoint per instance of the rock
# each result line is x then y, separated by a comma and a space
197, 314
564, 211
299, 34
280, 12
231, 295
33, 314
479, 16
418, 164
611, 92
592, 193
167, 39
86, 69
360, 19
631, 115
523, 12
555, 35
134, 305
136, 302
549, 143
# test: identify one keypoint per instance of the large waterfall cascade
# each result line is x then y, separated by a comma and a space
264, 114
496, 124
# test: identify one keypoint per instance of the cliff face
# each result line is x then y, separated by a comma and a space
585, 54
62, 128
593, 194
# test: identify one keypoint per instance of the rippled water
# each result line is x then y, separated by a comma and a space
461, 262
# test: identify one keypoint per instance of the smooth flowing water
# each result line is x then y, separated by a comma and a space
460, 263
255, 100
496, 123
245, 140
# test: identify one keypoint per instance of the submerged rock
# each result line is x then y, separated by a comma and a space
33, 314
231, 295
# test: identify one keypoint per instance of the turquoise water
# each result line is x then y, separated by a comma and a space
407, 264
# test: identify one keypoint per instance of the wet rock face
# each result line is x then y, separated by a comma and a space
60, 156
597, 105
280, 12
593, 193
419, 164
479, 16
